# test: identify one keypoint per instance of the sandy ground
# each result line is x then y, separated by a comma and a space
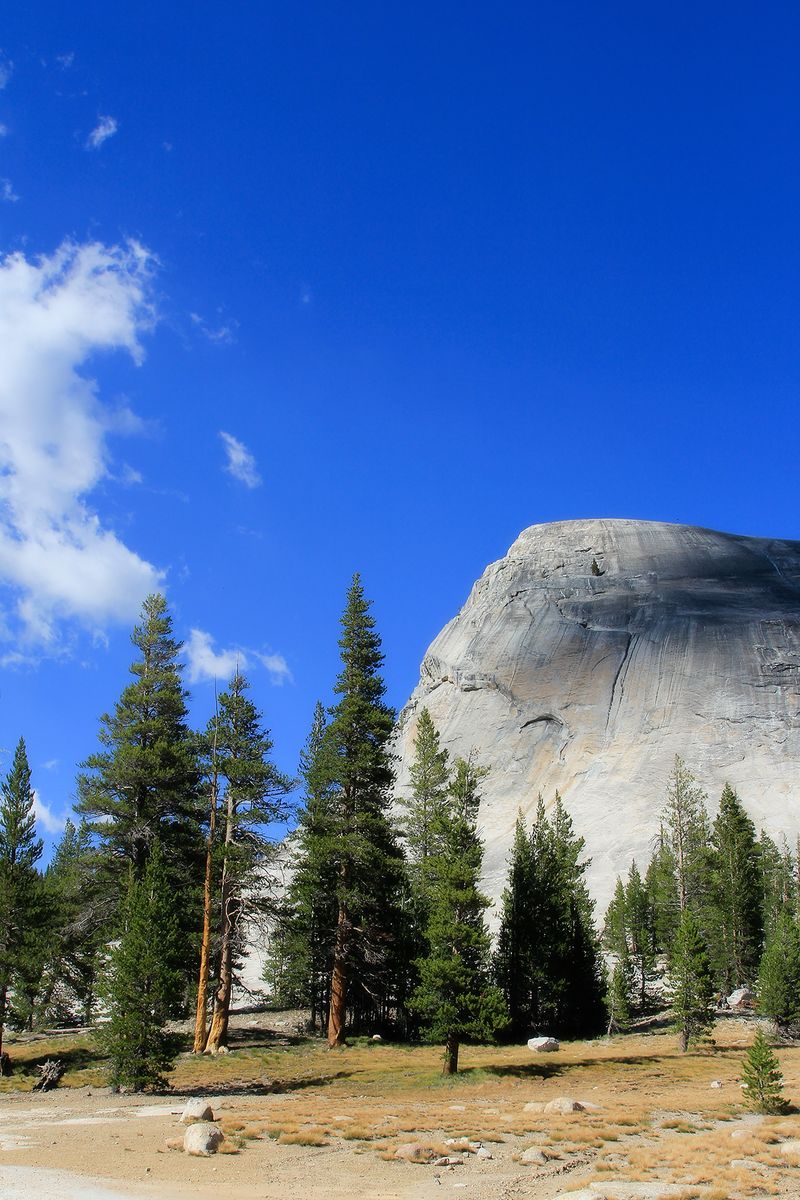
90, 1146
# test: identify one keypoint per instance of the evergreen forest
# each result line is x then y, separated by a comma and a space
370, 912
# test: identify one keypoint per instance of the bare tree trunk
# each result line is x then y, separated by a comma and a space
205, 946
218, 1034
3, 997
451, 1049
338, 1002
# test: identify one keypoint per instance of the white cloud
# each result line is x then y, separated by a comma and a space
222, 335
207, 663
240, 463
46, 817
278, 668
50, 765
6, 70
55, 313
105, 128
7, 191
3, 130
65, 61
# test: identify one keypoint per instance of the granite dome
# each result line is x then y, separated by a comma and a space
596, 651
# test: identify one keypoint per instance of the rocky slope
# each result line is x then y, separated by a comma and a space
596, 651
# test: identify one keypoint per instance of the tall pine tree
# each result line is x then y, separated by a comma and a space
548, 958
735, 894
692, 988
144, 785
253, 799
455, 997
361, 846
141, 980
20, 883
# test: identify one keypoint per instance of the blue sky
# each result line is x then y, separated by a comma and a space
437, 271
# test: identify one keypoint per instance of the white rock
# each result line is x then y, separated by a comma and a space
560, 678
376, 1037
790, 1149
564, 1104
482, 1152
543, 1045
741, 998
715, 1083
533, 1157
196, 1109
414, 1152
202, 1139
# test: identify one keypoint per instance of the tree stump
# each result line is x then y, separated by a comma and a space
49, 1074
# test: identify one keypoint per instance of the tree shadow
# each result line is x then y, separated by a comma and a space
273, 1087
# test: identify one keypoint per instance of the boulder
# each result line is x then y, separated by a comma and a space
533, 1157
196, 1109
742, 998
202, 1139
543, 1045
790, 1149
564, 1104
715, 1083
414, 1152
449, 1160
482, 1152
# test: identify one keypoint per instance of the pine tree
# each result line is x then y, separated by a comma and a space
779, 975
735, 894
686, 824
692, 984
361, 848
779, 892
254, 790
640, 932
301, 953
455, 997
518, 961
762, 1078
144, 785
78, 929
548, 958
20, 883
141, 980
430, 777
661, 886
621, 984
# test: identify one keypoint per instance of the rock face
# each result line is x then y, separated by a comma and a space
596, 651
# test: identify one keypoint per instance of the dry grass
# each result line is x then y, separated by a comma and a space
658, 1117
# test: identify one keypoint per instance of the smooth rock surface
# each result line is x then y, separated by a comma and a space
543, 1045
589, 680
202, 1139
741, 998
196, 1109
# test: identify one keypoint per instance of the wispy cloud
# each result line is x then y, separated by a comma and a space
50, 765
205, 662
65, 61
6, 70
223, 334
277, 667
239, 462
57, 560
45, 816
7, 192
3, 130
105, 128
